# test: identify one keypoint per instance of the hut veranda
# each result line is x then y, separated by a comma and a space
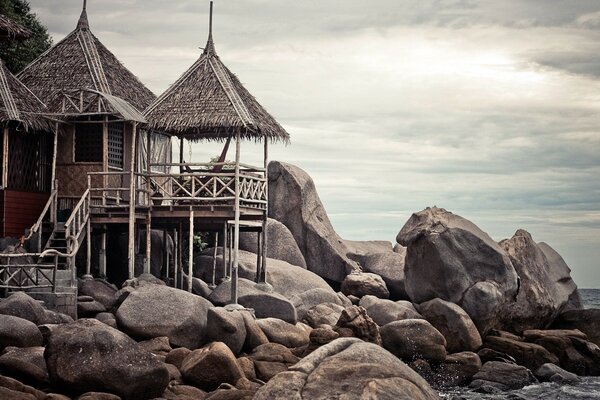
105, 174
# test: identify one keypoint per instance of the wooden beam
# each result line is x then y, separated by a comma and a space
103, 253
214, 269
5, 158
175, 257
263, 252
147, 260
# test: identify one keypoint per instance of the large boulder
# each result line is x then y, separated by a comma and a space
587, 321
457, 369
281, 244
87, 355
530, 355
211, 366
411, 339
361, 284
293, 201
546, 284
154, 310
351, 369
226, 326
20, 304
385, 311
18, 332
99, 289
454, 323
449, 257
324, 314
284, 333
390, 266
25, 364
313, 297
358, 250
270, 359
266, 303
354, 322
560, 273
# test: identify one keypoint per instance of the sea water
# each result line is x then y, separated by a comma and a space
588, 388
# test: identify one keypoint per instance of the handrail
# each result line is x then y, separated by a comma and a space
35, 227
77, 220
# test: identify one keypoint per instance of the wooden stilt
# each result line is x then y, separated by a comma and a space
263, 269
165, 264
258, 257
191, 252
236, 227
132, 185
5, 158
180, 253
147, 260
103, 253
175, 258
88, 240
214, 270
225, 250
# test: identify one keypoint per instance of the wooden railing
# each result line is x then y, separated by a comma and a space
28, 276
196, 184
76, 223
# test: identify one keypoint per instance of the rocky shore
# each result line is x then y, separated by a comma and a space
444, 306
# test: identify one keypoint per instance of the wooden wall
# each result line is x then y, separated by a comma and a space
19, 211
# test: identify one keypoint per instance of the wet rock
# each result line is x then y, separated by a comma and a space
450, 258
385, 311
503, 376
210, 366
454, 323
153, 310
348, 368
553, 373
413, 338
293, 201
457, 369
18, 332
284, 333
88, 355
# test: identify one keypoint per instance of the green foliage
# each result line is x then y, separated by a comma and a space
201, 240
17, 54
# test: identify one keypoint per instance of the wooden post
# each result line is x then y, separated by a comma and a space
5, 158
165, 260
263, 269
105, 152
214, 270
180, 155
180, 254
103, 253
148, 257
148, 169
258, 257
236, 227
191, 251
225, 250
54, 154
88, 239
132, 186
175, 258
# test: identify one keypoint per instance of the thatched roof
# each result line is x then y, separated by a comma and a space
18, 106
10, 30
81, 62
209, 102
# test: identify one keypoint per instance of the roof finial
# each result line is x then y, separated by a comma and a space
210, 46
83, 20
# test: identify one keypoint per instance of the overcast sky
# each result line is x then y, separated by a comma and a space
490, 109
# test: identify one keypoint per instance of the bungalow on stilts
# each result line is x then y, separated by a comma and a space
206, 103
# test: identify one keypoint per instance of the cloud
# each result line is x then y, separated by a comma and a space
489, 109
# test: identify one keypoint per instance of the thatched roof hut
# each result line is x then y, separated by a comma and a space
10, 30
81, 62
208, 102
18, 106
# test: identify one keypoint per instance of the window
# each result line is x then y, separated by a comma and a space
88, 143
115, 144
